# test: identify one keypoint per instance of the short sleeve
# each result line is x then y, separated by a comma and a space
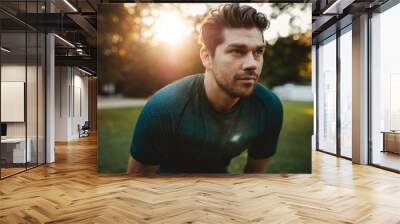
265, 146
144, 147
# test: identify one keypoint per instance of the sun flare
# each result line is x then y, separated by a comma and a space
169, 27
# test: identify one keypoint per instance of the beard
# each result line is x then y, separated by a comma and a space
235, 88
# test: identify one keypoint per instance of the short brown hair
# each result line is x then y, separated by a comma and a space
229, 16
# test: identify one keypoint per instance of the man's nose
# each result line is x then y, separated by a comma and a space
250, 63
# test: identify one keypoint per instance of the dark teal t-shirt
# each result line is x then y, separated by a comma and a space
179, 129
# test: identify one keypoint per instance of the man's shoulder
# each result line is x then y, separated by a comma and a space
172, 96
266, 97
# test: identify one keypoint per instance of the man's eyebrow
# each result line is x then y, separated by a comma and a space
261, 47
237, 45
244, 46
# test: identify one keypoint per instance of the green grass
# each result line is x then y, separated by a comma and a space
115, 127
293, 154
294, 148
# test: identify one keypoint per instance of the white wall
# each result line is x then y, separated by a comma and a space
81, 104
13, 100
13, 73
62, 81
71, 94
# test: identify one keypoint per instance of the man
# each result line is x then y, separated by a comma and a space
199, 123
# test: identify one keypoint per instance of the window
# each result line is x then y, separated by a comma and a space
385, 88
23, 87
346, 92
327, 95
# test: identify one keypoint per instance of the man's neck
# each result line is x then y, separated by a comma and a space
220, 100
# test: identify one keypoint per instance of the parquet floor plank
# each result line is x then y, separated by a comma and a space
71, 191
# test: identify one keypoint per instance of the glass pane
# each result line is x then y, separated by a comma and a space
32, 88
386, 89
327, 96
13, 87
31, 98
346, 94
41, 98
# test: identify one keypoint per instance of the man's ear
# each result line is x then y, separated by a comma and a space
205, 57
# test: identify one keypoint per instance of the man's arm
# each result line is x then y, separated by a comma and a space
136, 167
256, 165
266, 144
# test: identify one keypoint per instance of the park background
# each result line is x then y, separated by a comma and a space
145, 46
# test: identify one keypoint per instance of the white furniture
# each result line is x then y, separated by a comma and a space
18, 149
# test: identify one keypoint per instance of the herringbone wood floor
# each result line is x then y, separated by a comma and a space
71, 191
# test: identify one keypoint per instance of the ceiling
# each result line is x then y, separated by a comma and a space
329, 13
74, 21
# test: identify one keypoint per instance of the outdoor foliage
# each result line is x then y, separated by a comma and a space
288, 61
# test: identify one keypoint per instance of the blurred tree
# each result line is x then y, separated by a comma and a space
288, 61
125, 38
287, 8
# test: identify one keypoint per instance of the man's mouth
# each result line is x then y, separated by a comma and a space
250, 76
247, 79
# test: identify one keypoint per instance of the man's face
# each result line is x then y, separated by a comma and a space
237, 62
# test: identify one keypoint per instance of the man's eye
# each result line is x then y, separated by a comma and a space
237, 52
259, 52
